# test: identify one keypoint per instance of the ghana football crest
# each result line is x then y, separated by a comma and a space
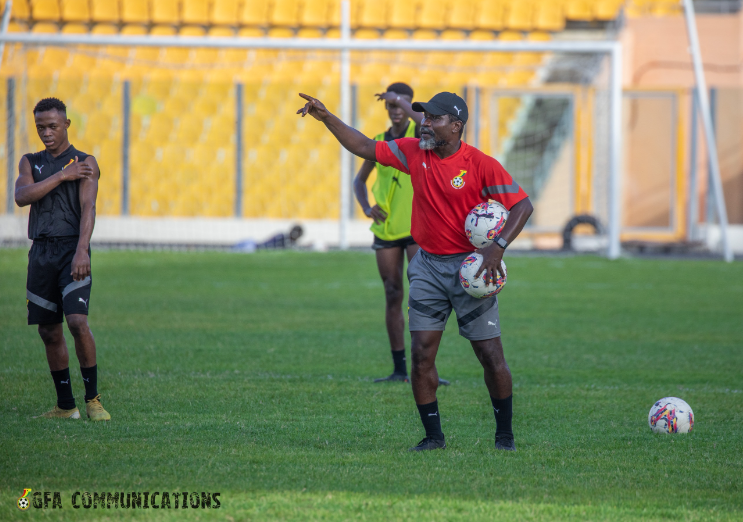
458, 181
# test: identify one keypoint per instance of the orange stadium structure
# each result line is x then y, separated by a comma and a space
182, 101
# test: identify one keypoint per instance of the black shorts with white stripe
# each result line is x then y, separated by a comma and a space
51, 293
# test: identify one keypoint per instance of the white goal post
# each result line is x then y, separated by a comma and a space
345, 44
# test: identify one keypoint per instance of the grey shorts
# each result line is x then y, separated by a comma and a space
435, 290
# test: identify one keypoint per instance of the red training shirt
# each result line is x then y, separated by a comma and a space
445, 190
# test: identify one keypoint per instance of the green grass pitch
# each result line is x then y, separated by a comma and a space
251, 375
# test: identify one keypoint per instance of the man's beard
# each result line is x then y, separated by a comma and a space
430, 143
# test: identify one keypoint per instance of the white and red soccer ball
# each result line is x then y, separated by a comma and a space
475, 286
671, 415
484, 223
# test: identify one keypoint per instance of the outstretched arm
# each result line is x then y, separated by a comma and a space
492, 255
88, 195
395, 99
350, 138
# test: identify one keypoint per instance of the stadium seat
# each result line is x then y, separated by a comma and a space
135, 12
285, 13
372, 14
461, 15
549, 16
519, 16
75, 10
44, 27
606, 10
254, 13
195, 12
402, 15
221, 32
314, 13
104, 10
20, 10
579, 10
165, 12
104, 29
430, 15
309, 32
490, 15
74, 29
45, 10
224, 12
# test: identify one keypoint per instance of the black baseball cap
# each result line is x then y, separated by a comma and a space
444, 103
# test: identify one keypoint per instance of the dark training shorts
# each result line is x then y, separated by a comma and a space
51, 292
435, 290
404, 242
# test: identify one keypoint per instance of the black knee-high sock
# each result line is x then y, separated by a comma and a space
398, 357
90, 378
431, 420
503, 410
65, 399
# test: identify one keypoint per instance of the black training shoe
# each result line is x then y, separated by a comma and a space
395, 377
443, 382
429, 444
504, 442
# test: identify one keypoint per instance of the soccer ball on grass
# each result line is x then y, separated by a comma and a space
484, 222
671, 415
476, 287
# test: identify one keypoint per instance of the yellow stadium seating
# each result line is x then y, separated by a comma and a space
314, 13
165, 12
430, 15
519, 16
371, 14
579, 10
75, 10
104, 10
135, 12
43, 27
254, 12
402, 15
45, 10
490, 15
195, 12
224, 12
74, 28
285, 13
549, 16
461, 15
20, 10
104, 29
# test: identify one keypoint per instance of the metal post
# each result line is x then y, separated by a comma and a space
693, 217
710, 199
346, 118
239, 95
615, 151
125, 148
465, 92
691, 26
4, 28
476, 120
10, 146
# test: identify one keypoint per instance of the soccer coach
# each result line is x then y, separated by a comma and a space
449, 178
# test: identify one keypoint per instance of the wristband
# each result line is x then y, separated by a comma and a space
501, 242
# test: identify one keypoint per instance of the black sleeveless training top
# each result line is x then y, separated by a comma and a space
58, 213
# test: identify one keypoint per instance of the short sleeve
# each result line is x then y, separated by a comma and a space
389, 154
500, 186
